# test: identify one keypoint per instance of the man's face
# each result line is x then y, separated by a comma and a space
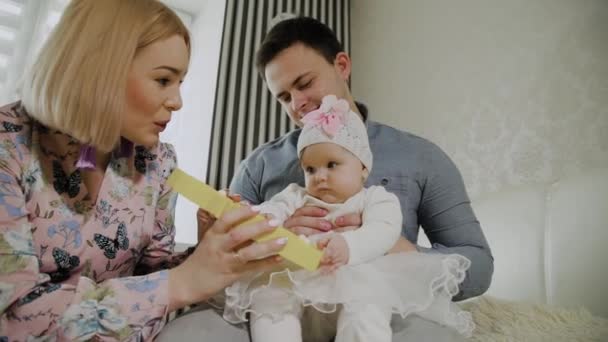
299, 77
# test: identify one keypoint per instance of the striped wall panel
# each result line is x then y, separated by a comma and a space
245, 113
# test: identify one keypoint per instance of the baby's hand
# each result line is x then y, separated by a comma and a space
335, 253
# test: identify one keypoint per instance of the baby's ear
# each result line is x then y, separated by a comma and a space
365, 174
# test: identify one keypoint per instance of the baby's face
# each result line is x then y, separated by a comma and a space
332, 173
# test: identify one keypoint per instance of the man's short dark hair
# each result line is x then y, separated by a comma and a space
305, 30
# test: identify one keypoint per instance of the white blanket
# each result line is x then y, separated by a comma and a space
499, 320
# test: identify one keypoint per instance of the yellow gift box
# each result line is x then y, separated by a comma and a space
296, 250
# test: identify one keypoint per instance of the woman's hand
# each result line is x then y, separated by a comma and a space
222, 257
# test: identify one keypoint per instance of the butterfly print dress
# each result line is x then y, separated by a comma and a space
72, 268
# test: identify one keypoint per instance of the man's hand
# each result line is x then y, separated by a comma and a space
204, 221
204, 218
335, 253
348, 222
403, 245
308, 221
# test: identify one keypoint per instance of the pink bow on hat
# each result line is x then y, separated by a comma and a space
330, 116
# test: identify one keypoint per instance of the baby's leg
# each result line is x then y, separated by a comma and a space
361, 323
318, 326
263, 329
283, 327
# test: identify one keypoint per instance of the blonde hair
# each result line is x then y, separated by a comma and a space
77, 84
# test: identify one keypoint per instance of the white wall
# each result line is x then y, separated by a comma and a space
514, 91
190, 128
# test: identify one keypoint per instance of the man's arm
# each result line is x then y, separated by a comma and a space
446, 215
243, 184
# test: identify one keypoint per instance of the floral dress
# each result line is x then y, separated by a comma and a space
73, 268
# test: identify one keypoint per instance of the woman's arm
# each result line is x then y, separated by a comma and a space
31, 304
223, 256
159, 253
134, 307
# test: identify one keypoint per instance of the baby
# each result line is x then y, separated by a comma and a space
358, 286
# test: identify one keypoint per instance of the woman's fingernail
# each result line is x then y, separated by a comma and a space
326, 225
256, 208
282, 241
340, 220
274, 222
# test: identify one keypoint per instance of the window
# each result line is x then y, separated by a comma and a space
24, 26
11, 13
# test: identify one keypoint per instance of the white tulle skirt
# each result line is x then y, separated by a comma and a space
408, 283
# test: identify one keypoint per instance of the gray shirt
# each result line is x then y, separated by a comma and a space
427, 182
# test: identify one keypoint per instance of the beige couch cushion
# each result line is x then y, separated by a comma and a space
513, 222
550, 241
577, 242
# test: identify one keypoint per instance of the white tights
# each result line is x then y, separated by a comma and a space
355, 323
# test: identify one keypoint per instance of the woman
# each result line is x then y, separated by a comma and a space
86, 219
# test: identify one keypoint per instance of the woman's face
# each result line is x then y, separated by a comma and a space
153, 89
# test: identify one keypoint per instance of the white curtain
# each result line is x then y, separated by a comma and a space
24, 26
246, 115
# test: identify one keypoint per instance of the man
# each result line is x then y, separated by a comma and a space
301, 61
